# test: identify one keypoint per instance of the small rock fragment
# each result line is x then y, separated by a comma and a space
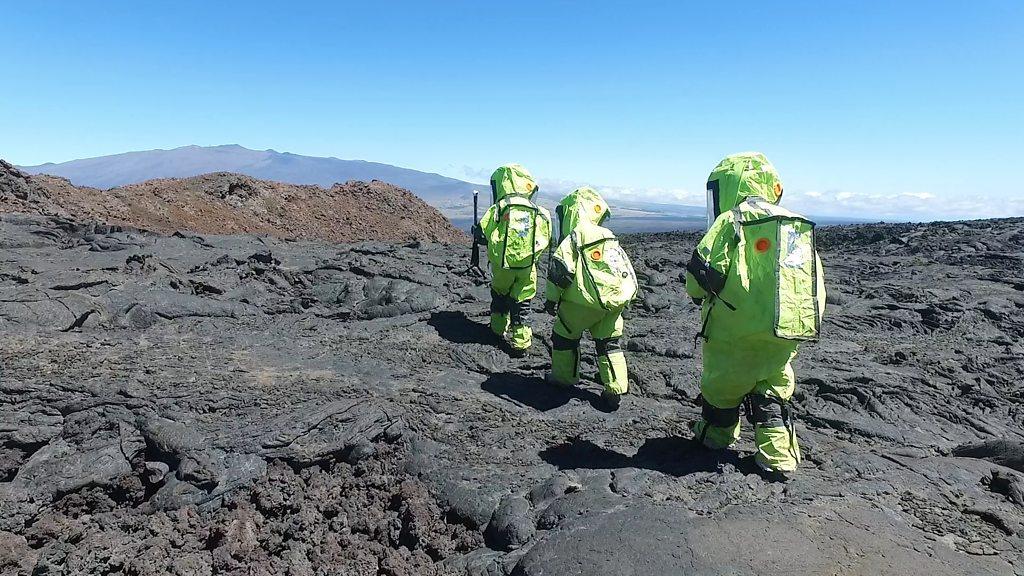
512, 524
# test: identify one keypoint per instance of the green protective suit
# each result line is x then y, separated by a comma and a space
591, 279
517, 232
758, 274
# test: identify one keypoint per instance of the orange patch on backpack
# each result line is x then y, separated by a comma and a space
762, 245
595, 255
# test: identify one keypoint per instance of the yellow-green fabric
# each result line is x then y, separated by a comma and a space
613, 372
773, 275
512, 180
777, 446
582, 204
797, 308
717, 437
591, 268
499, 323
520, 336
738, 177
565, 366
518, 286
572, 322
517, 232
728, 393
592, 280
762, 285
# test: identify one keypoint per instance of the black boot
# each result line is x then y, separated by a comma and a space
611, 400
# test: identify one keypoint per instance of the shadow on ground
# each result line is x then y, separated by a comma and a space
456, 328
536, 393
671, 455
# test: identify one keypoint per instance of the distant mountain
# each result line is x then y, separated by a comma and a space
451, 196
226, 203
133, 167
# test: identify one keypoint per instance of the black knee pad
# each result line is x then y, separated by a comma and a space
519, 312
559, 342
606, 346
719, 417
767, 411
500, 303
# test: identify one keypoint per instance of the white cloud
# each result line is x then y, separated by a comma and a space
626, 193
913, 205
918, 195
471, 174
557, 187
900, 206
909, 205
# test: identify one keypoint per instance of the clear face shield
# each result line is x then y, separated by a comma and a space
712, 201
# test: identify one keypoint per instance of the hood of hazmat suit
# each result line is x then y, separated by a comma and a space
512, 180
516, 229
581, 205
738, 177
589, 267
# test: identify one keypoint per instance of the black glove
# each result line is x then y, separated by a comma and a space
697, 301
478, 235
551, 307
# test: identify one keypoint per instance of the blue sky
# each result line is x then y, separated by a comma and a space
901, 110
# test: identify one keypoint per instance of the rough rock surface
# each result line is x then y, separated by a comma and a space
244, 405
224, 203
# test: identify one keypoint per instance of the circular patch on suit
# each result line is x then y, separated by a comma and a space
595, 255
597, 208
762, 245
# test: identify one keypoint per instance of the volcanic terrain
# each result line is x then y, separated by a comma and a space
224, 203
239, 404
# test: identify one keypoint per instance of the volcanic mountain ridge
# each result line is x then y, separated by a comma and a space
225, 203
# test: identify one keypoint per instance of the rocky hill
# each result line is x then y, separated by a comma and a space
224, 203
187, 161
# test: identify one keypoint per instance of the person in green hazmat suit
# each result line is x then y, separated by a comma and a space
758, 276
590, 281
516, 232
